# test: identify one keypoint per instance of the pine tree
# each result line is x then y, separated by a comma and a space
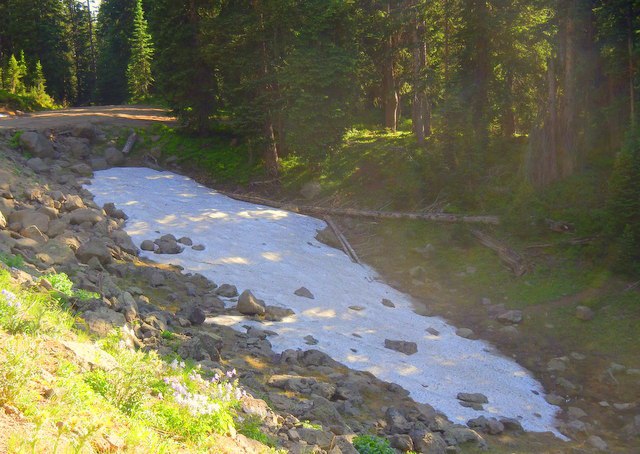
39, 82
14, 75
139, 77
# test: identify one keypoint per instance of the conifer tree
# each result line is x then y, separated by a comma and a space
139, 77
14, 75
39, 82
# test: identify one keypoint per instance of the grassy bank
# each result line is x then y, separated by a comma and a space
75, 393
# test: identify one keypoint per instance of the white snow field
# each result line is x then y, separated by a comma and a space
274, 252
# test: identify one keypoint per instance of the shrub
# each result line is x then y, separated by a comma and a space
371, 444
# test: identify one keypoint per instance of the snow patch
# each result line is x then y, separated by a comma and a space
274, 252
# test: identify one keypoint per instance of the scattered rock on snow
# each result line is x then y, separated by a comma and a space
387, 303
227, 291
408, 348
304, 292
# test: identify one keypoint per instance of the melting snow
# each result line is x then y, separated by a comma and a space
274, 252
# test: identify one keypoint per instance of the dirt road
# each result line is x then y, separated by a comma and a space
134, 116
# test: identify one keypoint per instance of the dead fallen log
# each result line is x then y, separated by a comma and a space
353, 212
346, 247
569, 242
514, 261
131, 141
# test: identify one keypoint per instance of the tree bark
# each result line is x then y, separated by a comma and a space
632, 95
420, 108
390, 94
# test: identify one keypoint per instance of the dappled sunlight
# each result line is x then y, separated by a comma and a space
187, 196
272, 256
353, 358
273, 215
168, 219
130, 203
407, 370
320, 312
231, 261
163, 176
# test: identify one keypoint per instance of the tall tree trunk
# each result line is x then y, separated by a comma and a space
508, 113
550, 154
93, 47
419, 107
632, 95
569, 106
390, 94
448, 150
270, 153
481, 68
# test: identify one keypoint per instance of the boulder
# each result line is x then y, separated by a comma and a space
186, 241
196, 316
148, 245
396, 421
86, 131
248, 304
37, 144
129, 306
408, 348
277, 314
124, 242
112, 211
168, 245
3, 221
201, 347
37, 165
78, 147
113, 156
82, 169
103, 320
427, 442
34, 233
487, 425
227, 291
73, 202
18, 220
94, 248
98, 164
82, 215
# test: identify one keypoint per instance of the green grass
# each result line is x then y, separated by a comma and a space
151, 405
218, 156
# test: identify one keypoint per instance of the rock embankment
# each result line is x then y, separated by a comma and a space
315, 403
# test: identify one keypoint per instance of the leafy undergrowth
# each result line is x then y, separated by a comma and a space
219, 156
127, 400
27, 102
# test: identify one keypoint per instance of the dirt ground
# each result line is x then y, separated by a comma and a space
130, 116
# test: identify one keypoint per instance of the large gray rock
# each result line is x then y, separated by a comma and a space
277, 314
248, 304
98, 163
201, 347
113, 156
124, 242
86, 131
584, 313
487, 425
37, 144
129, 306
427, 443
227, 291
82, 215
76, 147
94, 248
73, 202
37, 165
19, 220
103, 320
476, 398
